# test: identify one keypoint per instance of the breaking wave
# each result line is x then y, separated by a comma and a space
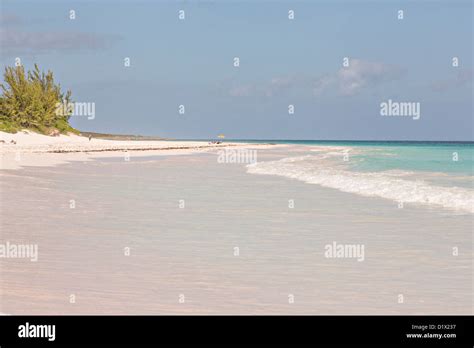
399, 186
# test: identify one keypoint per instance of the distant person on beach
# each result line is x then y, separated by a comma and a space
90, 137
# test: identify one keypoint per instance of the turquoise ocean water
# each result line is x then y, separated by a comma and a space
437, 174
445, 157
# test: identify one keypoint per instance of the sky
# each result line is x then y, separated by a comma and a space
283, 62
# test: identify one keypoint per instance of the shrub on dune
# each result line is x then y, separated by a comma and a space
30, 100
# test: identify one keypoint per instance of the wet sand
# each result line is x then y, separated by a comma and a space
190, 251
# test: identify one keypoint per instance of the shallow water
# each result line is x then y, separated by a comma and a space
190, 251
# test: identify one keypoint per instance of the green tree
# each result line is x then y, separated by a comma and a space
33, 101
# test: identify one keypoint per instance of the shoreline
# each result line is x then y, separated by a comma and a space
27, 148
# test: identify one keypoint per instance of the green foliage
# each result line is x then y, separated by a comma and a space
64, 127
8, 126
30, 100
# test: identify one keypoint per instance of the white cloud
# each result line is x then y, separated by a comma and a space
359, 75
242, 91
347, 81
14, 40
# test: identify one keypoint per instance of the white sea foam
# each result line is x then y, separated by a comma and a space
397, 185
